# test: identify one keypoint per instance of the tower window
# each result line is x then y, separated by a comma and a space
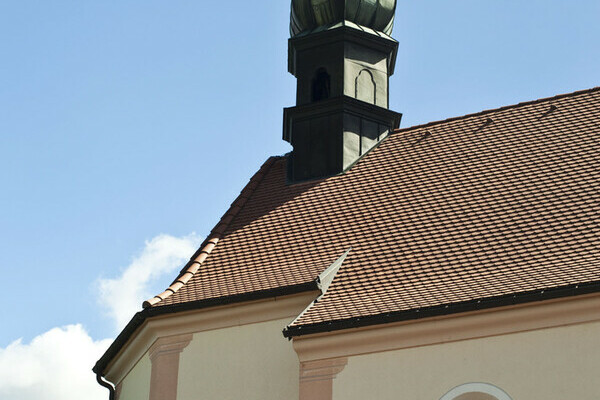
321, 85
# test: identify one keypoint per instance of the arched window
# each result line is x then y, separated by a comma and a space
321, 85
476, 391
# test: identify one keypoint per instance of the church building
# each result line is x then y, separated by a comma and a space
455, 260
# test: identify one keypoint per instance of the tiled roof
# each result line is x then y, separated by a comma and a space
481, 206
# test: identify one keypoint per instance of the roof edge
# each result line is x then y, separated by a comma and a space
192, 266
444, 309
140, 317
323, 281
493, 110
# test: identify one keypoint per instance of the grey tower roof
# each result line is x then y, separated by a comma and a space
307, 15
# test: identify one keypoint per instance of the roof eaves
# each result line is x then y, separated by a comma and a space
444, 309
323, 282
140, 317
192, 267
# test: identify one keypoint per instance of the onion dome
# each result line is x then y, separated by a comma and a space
307, 15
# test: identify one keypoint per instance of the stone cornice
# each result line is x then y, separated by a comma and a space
202, 320
450, 328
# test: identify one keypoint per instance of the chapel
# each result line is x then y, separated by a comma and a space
454, 260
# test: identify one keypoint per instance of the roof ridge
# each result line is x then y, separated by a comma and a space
493, 110
192, 267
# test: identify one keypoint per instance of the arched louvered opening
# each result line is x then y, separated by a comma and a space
321, 85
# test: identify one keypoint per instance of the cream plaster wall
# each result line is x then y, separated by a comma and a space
136, 385
250, 362
550, 364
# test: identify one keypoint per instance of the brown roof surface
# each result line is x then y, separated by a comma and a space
481, 206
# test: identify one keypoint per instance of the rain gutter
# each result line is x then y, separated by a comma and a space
444, 309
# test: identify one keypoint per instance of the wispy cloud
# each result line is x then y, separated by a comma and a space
121, 297
57, 364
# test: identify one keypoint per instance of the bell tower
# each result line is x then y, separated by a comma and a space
342, 56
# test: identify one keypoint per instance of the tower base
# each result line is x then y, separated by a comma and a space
331, 135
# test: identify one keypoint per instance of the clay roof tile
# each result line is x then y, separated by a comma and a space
491, 205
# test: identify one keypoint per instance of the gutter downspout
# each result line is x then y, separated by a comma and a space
106, 384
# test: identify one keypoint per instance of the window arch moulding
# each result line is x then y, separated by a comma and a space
365, 87
476, 391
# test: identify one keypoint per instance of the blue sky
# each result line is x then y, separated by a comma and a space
121, 121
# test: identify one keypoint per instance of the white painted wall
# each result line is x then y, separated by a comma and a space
136, 385
250, 362
549, 364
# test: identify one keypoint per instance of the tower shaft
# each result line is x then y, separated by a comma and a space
342, 98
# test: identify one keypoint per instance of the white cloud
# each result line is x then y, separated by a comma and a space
55, 365
122, 297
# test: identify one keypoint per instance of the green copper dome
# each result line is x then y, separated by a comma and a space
307, 15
